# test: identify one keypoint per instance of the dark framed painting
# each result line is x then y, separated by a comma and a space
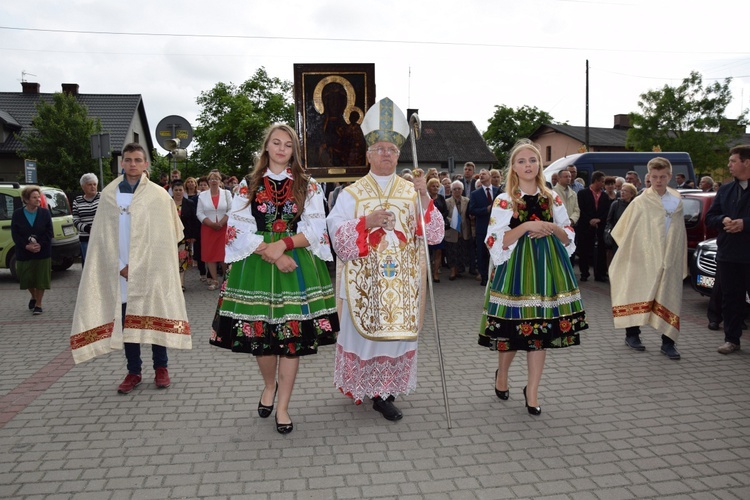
330, 103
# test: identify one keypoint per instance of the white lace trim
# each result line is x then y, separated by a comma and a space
380, 376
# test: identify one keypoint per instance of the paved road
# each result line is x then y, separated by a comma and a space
616, 424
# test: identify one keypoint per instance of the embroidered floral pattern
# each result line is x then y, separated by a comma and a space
278, 216
232, 233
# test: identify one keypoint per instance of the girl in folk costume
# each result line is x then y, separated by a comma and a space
532, 302
277, 302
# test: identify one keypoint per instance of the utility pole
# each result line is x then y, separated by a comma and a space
587, 106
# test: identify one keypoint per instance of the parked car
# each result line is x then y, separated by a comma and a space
695, 205
618, 163
65, 246
703, 268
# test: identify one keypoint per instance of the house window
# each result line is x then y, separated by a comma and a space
549, 153
136, 138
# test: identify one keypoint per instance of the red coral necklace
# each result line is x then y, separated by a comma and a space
278, 196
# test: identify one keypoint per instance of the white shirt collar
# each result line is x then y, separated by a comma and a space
285, 174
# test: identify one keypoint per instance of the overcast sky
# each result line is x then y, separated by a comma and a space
453, 60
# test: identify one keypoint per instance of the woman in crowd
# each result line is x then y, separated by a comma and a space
202, 185
84, 210
213, 213
31, 230
610, 187
458, 232
532, 302
278, 302
627, 193
191, 188
191, 193
436, 251
187, 212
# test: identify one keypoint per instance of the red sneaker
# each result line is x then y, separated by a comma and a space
130, 383
162, 378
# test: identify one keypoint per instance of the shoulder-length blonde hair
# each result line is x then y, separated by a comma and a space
512, 184
299, 184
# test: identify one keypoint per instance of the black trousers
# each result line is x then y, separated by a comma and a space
735, 283
591, 251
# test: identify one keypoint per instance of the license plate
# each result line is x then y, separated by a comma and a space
69, 230
705, 281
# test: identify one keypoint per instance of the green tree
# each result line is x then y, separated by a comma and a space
233, 119
690, 117
61, 142
508, 125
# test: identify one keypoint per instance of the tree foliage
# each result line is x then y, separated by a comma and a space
233, 118
508, 125
61, 142
690, 117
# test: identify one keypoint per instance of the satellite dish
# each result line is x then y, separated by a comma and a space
174, 132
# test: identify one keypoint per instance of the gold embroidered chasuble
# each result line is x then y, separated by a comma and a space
649, 266
156, 312
383, 287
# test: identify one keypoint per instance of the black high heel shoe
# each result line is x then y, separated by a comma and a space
263, 410
283, 428
533, 410
504, 395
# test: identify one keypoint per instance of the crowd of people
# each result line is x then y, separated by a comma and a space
273, 234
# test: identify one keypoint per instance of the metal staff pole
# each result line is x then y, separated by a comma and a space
416, 128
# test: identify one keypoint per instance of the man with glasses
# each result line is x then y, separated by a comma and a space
376, 231
130, 290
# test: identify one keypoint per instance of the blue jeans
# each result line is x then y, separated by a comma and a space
133, 353
84, 247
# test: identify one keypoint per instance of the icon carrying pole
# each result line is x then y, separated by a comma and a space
416, 129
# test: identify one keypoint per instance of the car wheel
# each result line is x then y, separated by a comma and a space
63, 264
12, 266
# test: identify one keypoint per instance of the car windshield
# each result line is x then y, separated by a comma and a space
57, 203
692, 211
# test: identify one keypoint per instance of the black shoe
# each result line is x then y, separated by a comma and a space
37, 311
670, 351
483, 283
744, 325
584, 278
713, 325
387, 408
263, 410
283, 428
635, 343
32, 304
533, 410
602, 279
504, 395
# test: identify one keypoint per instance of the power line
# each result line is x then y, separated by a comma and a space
360, 40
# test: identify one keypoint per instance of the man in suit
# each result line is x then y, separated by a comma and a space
593, 204
458, 234
480, 206
575, 186
468, 180
468, 185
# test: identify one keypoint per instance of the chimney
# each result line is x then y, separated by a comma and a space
30, 87
622, 122
70, 88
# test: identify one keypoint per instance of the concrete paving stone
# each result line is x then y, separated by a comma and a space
380, 490
39, 488
525, 491
207, 490
347, 493
276, 473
